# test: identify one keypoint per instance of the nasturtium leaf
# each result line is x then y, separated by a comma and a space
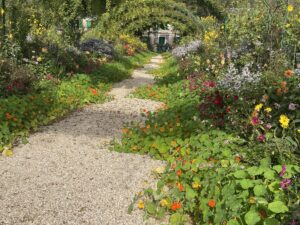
190, 194
150, 207
254, 171
271, 221
278, 207
225, 163
176, 219
269, 174
233, 222
259, 190
240, 174
246, 183
252, 218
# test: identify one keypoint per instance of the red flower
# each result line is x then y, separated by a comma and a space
218, 100
211, 203
209, 84
175, 206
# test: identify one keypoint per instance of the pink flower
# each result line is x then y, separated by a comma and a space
282, 172
49, 77
255, 121
268, 126
285, 183
261, 138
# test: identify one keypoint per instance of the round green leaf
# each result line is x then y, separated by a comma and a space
259, 190
240, 174
246, 183
278, 207
252, 218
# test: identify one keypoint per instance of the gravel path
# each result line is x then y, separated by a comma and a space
67, 175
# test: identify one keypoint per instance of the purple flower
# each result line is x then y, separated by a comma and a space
261, 138
285, 183
293, 106
282, 172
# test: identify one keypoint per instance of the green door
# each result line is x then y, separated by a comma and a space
161, 44
161, 40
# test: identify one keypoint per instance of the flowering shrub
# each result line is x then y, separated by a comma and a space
182, 51
237, 82
131, 44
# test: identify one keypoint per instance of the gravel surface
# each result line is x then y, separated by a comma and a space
67, 175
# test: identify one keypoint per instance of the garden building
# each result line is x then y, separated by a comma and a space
161, 39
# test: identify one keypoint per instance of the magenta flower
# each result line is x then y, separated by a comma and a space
285, 183
282, 172
261, 138
255, 121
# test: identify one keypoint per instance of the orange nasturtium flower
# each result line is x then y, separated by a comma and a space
93, 91
125, 130
180, 187
175, 206
289, 73
179, 173
211, 203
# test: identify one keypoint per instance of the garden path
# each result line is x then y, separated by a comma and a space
67, 175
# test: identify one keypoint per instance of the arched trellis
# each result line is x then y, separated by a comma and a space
136, 15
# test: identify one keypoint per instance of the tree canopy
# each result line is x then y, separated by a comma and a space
138, 15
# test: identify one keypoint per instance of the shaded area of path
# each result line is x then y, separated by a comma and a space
67, 175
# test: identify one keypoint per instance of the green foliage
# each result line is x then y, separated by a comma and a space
137, 16
53, 98
212, 175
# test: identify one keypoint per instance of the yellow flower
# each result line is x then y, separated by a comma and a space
284, 121
160, 170
298, 131
258, 107
268, 110
164, 203
39, 59
290, 8
44, 50
287, 25
141, 204
2, 11
196, 185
